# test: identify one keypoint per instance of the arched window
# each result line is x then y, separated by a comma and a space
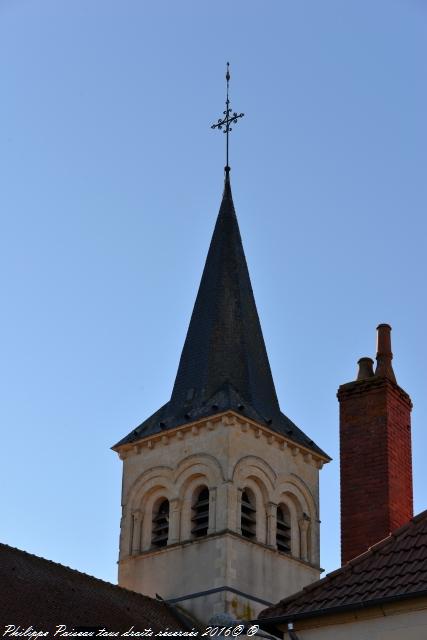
160, 529
200, 514
248, 515
283, 530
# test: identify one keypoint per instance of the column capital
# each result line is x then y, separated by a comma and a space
304, 523
175, 503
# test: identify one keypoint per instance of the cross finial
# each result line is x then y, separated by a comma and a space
229, 118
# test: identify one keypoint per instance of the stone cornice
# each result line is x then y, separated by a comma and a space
227, 418
218, 534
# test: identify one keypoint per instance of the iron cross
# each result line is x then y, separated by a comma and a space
229, 118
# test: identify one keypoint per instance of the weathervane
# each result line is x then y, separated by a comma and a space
229, 118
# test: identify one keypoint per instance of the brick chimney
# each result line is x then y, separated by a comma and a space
375, 453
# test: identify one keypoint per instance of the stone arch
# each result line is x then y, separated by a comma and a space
139, 501
190, 489
160, 522
310, 498
202, 463
200, 519
249, 508
295, 512
299, 491
160, 475
193, 472
294, 494
151, 498
253, 466
255, 474
282, 540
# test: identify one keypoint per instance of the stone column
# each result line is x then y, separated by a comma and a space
271, 524
212, 510
313, 547
125, 545
239, 510
304, 523
225, 516
174, 520
136, 532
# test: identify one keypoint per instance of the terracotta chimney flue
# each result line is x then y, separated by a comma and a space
366, 368
384, 354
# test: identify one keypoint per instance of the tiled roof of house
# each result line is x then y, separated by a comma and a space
395, 568
224, 363
41, 593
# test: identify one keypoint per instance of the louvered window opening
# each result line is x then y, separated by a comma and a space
160, 531
248, 517
283, 530
200, 517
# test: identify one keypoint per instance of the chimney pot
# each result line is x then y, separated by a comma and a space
384, 354
366, 368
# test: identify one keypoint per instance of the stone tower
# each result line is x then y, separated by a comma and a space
375, 453
220, 489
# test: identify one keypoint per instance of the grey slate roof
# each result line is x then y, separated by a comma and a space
224, 363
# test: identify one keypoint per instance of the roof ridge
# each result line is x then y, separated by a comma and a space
396, 533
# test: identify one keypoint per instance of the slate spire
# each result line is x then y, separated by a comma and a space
224, 343
224, 364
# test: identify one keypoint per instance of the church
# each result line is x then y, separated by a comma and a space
220, 491
219, 486
220, 494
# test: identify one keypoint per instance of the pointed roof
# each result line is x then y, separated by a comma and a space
224, 341
224, 363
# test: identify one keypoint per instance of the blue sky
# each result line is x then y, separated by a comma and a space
111, 180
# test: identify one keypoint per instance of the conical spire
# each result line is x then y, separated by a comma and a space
224, 364
224, 343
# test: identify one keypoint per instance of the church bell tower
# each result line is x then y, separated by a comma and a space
220, 492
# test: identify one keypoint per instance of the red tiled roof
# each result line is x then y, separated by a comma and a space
41, 593
394, 568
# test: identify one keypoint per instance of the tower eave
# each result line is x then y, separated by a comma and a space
282, 426
232, 418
